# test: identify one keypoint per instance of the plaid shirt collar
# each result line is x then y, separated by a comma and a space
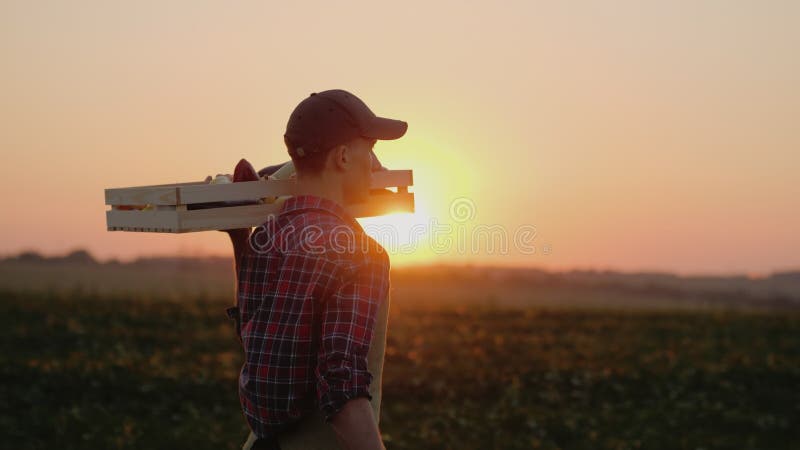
308, 202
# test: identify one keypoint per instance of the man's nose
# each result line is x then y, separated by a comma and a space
375, 164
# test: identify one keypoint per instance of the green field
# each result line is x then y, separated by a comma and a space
82, 372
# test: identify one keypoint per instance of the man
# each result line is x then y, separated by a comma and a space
310, 284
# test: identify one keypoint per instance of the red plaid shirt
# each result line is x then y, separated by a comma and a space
309, 287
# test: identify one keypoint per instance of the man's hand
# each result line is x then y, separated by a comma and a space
243, 171
355, 426
238, 236
217, 179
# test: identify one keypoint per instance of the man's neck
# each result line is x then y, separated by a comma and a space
320, 187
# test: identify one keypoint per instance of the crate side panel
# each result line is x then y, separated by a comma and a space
167, 195
188, 183
379, 205
391, 178
156, 221
201, 192
226, 218
247, 190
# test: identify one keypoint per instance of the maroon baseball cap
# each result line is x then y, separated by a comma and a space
328, 118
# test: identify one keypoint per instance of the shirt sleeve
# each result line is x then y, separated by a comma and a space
348, 321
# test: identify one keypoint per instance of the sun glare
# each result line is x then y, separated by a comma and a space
441, 174
402, 234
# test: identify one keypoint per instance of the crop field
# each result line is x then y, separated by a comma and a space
78, 371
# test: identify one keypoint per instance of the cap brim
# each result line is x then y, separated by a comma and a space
385, 129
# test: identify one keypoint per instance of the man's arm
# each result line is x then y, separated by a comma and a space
239, 238
355, 426
349, 316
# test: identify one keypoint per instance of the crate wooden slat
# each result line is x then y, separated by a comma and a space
172, 215
380, 205
392, 178
248, 190
155, 221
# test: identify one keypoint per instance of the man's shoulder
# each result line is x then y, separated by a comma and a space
319, 234
334, 236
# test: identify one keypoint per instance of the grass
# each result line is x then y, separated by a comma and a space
79, 371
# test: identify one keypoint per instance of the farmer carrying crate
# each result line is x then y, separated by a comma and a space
313, 289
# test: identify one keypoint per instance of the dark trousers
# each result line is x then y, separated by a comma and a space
266, 444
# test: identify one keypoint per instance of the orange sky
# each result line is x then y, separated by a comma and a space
643, 136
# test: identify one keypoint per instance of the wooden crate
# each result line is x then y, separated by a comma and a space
198, 206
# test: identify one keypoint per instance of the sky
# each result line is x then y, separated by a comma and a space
626, 135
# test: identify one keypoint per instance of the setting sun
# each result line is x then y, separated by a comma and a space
403, 235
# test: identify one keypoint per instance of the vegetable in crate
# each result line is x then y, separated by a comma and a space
244, 171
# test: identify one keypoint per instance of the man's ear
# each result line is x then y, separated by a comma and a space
341, 156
